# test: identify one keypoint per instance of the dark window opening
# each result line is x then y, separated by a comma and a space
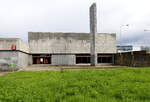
41, 59
104, 58
83, 59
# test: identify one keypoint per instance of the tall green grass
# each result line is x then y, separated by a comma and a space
120, 85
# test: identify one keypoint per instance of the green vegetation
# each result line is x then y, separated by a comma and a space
12, 67
116, 85
9, 68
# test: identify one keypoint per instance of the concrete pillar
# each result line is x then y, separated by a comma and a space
93, 31
113, 59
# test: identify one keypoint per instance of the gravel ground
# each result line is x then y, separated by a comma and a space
48, 67
58, 68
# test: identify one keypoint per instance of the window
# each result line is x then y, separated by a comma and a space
83, 58
104, 59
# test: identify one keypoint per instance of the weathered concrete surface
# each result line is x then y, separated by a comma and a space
16, 58
40, 42
93, 31
8, 58
63, 59
23, 46
6, 43
19, 57
106, 43
24, 59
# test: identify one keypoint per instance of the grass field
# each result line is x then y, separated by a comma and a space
117, 85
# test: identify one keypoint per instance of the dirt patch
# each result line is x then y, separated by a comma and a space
2, 73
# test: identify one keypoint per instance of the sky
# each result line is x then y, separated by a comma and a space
18, 17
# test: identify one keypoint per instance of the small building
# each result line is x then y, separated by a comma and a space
145, 48
14, 51
124, 48
133, 58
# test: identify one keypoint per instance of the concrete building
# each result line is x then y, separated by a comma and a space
14, 51
60, 48
124, 48
145, 48
133, 59
57, 49
70, 48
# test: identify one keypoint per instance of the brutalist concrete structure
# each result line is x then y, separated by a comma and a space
58, 48
19, 55
70, 48
93, 31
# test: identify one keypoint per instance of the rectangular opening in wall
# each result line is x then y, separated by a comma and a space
83, 58
41, 59
104, 58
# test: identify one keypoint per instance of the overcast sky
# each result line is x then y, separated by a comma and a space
18, 17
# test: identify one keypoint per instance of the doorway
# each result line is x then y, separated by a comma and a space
41, 59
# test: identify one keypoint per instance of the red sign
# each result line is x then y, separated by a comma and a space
13, 47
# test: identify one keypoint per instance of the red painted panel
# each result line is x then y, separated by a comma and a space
13, 47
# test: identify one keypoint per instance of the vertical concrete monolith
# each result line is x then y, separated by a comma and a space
93, 31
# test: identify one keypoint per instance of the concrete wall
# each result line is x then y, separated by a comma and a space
14, 57
63, 60
7, 57
106, 43
24, 59
19, 57
23, 46
40, 42
6, 43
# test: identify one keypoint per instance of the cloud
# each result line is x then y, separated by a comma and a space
18, 17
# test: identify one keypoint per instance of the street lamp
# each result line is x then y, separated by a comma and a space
127, 25
145, 30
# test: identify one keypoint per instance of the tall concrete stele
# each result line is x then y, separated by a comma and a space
93, 31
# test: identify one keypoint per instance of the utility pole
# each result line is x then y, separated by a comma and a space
120, 36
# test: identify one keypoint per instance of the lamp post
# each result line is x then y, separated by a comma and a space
146, 30
127, 25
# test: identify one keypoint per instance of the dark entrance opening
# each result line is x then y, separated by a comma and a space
83, 58
104, 58
41, 59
